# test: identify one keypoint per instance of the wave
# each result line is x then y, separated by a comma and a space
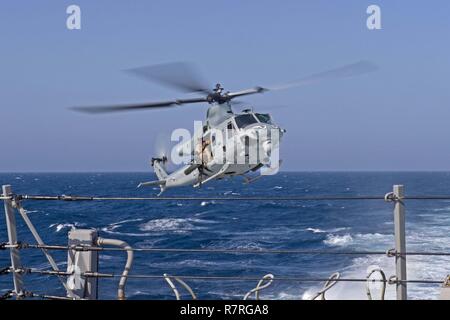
113, 226
315, 230
336, 240
318, 230
127, 234
361, 240
62, 226
445, 209
125, 221
167, 224
287, 296
157, 226
31, 211
173, 224
206, 203
196, 263
235, 245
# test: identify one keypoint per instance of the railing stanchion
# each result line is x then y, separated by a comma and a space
12, 240
400, 242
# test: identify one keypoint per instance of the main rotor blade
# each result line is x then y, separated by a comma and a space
140, 106
347, 71
180, 75
246, 92
350, 70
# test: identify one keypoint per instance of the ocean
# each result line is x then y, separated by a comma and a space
308, 225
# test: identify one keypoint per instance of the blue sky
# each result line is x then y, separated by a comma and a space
394, 119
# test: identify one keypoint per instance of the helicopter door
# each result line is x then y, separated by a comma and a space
204, 150
207, 154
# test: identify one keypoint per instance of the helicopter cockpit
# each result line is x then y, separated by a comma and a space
244, 120
264, 118
248, 118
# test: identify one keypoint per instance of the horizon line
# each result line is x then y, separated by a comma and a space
283, 171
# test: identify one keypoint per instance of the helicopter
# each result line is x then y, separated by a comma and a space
227, 143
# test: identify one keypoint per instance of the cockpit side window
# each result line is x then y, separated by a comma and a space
264, 118
244, 120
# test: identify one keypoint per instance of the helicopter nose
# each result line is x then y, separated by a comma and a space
263, 135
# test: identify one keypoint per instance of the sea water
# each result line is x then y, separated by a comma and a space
256, 225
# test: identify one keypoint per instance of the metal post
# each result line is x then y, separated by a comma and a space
12, 239
400, 241
39, 240
80, 262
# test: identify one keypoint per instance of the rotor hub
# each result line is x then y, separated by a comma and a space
217, 96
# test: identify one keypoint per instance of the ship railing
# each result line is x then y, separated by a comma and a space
396, 197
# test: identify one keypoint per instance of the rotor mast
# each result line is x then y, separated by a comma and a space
220, 107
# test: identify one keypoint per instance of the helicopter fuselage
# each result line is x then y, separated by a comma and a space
231, 144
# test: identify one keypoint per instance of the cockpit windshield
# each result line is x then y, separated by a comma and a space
264, 118
244, 120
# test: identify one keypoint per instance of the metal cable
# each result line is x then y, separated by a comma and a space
244, 198
224, 251
369, 281
192, 250
50, 297
168, 279
232, 278
330, 283
29, 294
264, 283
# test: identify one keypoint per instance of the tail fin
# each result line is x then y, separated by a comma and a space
158, 167
160, 171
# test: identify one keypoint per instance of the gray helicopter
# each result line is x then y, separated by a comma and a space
227, 144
